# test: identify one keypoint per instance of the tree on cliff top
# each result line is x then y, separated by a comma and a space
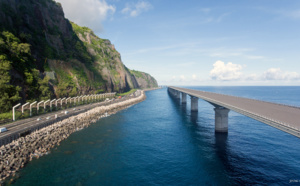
9, 93
16, 56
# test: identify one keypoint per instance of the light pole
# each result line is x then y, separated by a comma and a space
67, 100
61, 102
45, 103
75, 100
14, 111
56, 102
79, 99
51, 104
23, 107
31, 107
38, 106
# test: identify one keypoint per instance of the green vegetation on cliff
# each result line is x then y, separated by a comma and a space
43, 55
17, 68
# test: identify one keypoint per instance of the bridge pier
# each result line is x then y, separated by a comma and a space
221, 119
174, 93
194, 104
183, 98
177, 94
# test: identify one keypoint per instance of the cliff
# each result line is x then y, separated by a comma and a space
47, 56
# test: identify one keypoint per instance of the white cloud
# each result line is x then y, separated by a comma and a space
182, 78
205, 10
295, 14
194, 77
226, 72
225, 52
221, 17
252, 77
187, 64
90, 13
134, 10
278, 74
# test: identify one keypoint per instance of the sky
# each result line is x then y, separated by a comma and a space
200, 42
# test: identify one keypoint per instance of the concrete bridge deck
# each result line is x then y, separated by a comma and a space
283, 117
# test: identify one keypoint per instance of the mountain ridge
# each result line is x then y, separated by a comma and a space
56, 57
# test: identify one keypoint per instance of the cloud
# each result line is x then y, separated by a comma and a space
274, 74
186, 79
288, 13
182, 78
225, 52
205, 10
295, 14
90, 13
254, 57
194, 77
188, 64
134, 10
278, 74
221, 17
252, 77
226, 72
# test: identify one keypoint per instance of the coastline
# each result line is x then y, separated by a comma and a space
16, 154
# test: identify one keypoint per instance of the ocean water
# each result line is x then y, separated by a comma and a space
160, 142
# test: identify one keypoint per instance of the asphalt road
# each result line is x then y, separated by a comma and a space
24, 124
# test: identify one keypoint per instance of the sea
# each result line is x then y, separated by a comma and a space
161, 142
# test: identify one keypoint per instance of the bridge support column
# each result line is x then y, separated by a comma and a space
183, 98
177, 94
172, 92
221, 119
194, 104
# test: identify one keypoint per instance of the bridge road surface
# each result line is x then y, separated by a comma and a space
20, 125
283, 117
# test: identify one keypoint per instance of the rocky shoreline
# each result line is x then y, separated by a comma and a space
16, 154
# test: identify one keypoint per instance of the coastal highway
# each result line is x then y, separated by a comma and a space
21, 126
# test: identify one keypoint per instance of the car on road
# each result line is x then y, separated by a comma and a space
3, 129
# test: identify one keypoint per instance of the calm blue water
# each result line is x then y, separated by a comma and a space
160, 142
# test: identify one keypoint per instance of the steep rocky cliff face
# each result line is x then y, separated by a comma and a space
72, 59
107, 60
143, 80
